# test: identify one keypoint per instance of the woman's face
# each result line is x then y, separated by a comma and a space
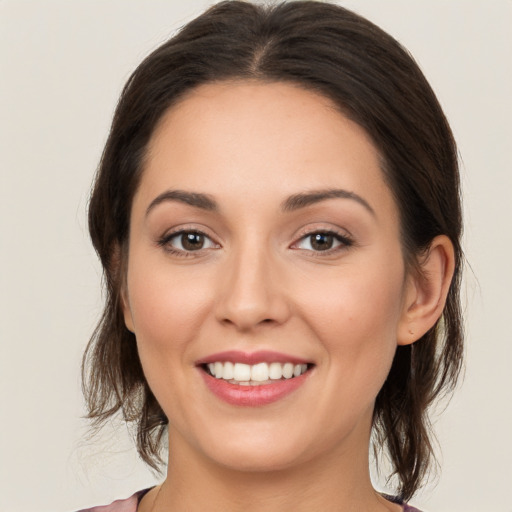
264, 241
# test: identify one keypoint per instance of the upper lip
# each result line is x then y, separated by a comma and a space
260, 356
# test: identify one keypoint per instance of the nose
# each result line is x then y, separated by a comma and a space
253, 292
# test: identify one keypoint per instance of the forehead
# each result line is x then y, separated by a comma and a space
260, 139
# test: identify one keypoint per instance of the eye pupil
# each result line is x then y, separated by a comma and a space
192, 241
321, 241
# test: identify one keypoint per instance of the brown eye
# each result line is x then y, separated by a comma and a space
187, 241
192, 241
321, 241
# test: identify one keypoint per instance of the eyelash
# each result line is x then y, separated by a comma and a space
165, 242
344, 240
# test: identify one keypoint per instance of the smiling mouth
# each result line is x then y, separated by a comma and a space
259, 374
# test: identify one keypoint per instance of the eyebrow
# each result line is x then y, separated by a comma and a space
292, 203
203, 201
304, 199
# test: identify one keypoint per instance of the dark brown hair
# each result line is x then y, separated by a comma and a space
374, 81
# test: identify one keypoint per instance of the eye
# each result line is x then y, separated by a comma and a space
187, 241
323, 241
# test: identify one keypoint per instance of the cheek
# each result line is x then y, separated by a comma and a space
356, 302
356, 317
168, 312
166, 307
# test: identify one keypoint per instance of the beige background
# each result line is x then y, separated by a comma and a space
62, 65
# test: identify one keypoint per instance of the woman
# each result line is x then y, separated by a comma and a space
277, 212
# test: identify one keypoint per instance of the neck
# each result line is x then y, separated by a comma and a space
339, 482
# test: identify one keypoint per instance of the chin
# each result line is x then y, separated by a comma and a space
265, 447
254, 459
250, 447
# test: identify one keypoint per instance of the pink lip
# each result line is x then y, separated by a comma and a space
262, 356
252, 396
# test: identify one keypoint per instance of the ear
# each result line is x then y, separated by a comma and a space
118, 268
426, 291
125, 305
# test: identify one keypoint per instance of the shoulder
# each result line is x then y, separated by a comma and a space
127, 505
408, 508
398, 501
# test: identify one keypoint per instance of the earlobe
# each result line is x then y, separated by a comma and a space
426, 291
127, 313
118, 268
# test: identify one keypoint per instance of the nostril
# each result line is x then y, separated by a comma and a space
244, 323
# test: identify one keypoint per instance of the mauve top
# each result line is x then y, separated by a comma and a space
131, 504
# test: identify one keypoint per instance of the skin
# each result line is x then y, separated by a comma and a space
258, 284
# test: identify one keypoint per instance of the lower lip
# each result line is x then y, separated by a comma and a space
252, 396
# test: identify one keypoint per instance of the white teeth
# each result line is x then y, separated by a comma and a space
261, 373
288, 370
241, 372
229, 370
275, 371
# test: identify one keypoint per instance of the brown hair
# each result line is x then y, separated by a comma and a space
375, 82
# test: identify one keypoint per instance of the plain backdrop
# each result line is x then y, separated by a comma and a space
62, 66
